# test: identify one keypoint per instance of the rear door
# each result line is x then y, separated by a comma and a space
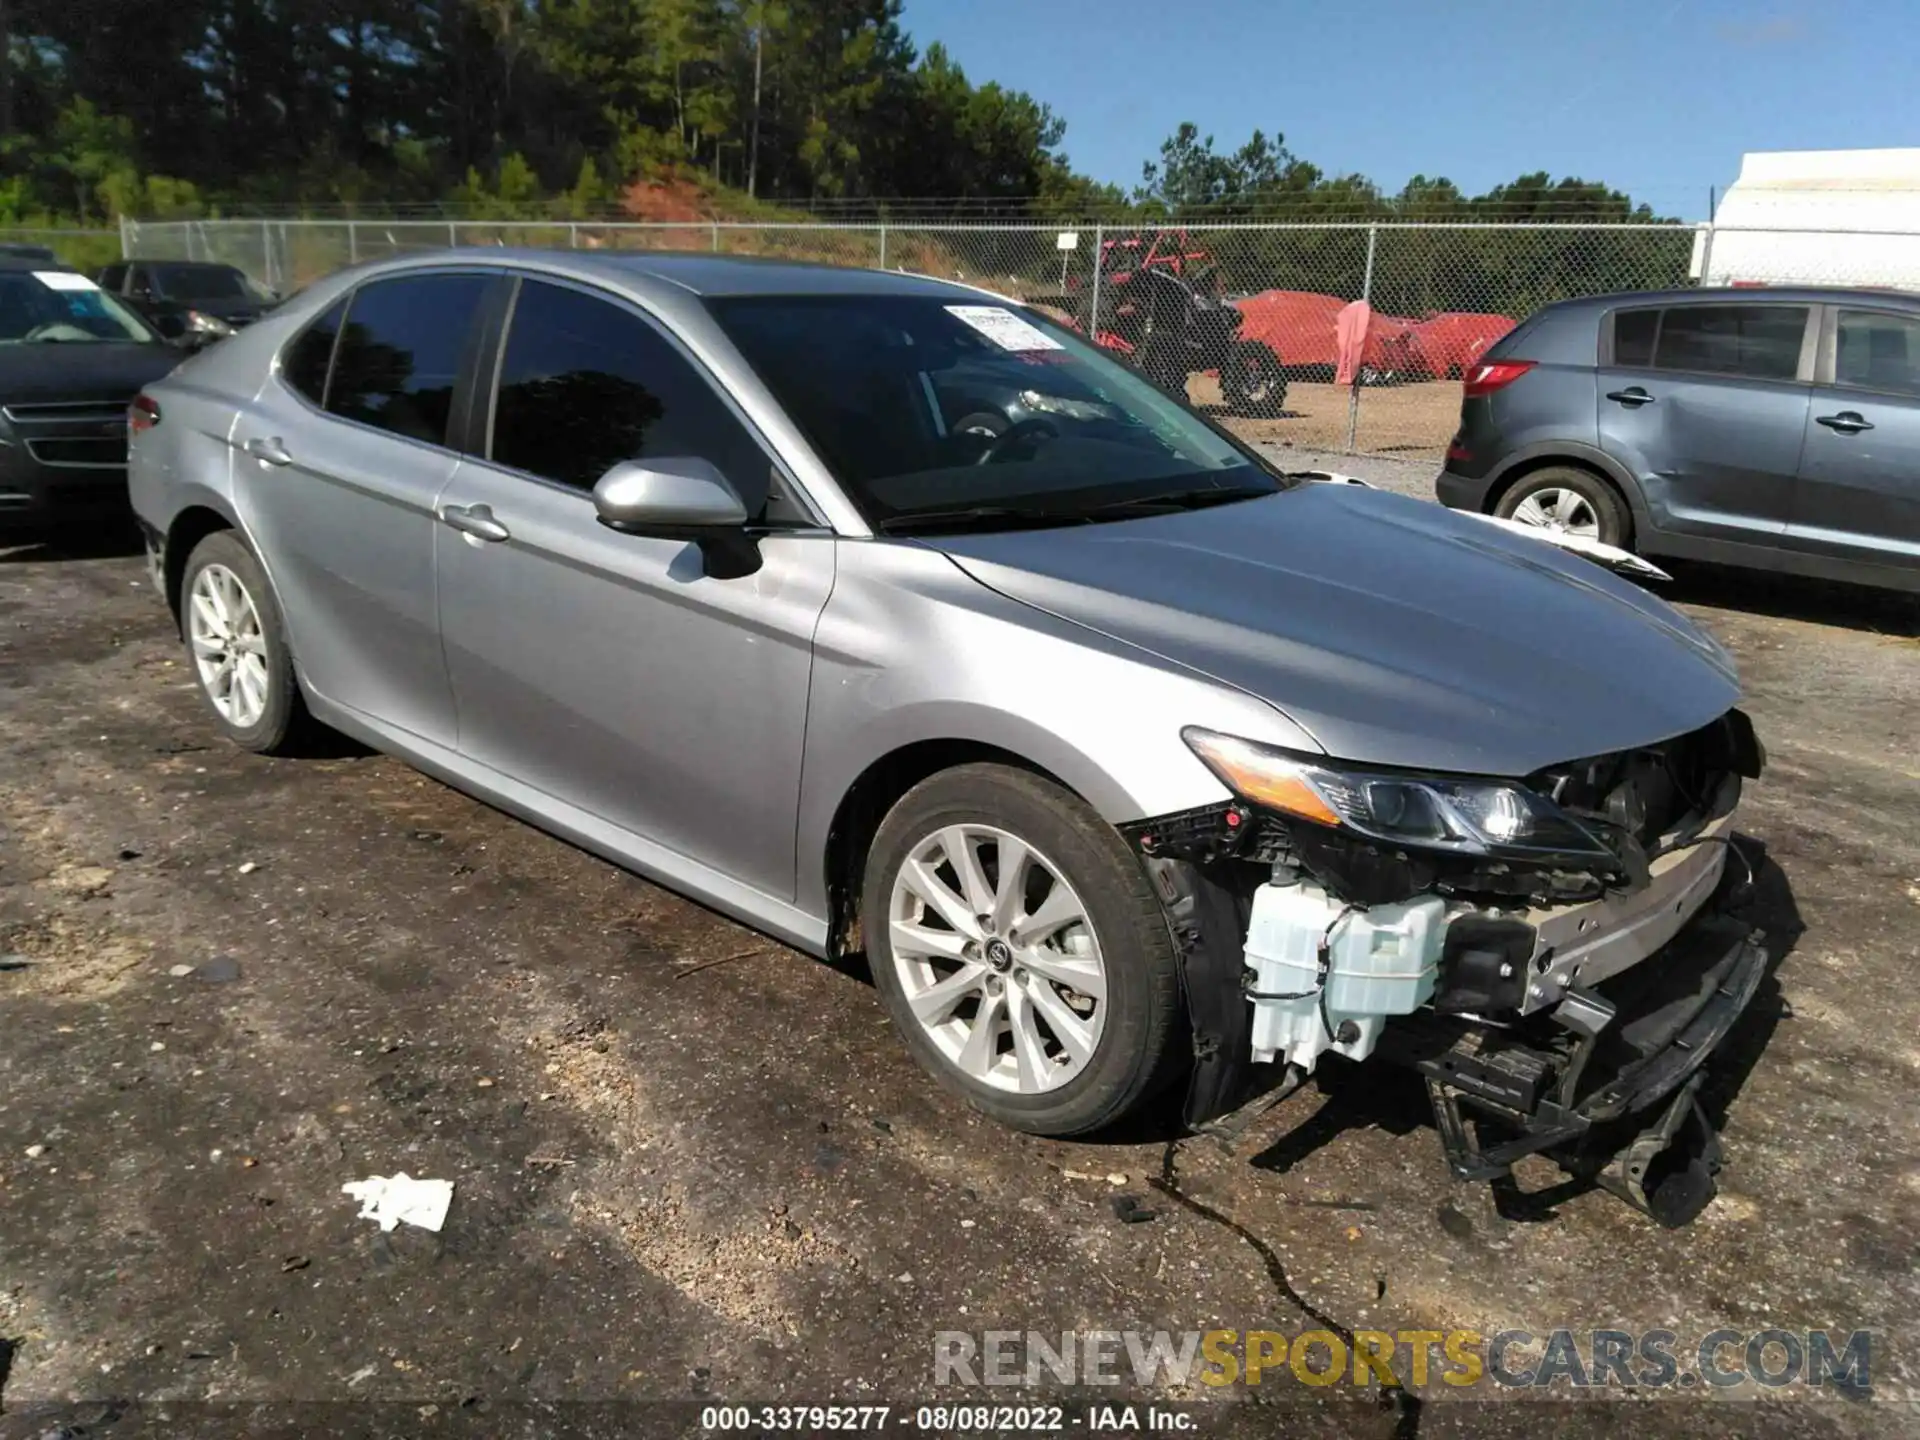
1859, 495
341, 457
1707, 405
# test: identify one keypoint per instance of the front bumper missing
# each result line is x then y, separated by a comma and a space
1607, 1083
1620, 1104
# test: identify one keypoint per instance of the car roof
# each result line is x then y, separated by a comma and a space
30, 263
1745, 295
689, 272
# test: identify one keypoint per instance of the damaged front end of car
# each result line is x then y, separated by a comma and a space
1553, 956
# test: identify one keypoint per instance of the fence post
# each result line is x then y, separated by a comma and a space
716, 237
126, 238
266, 253
573, 235
1366, 294
353, 243
1706, 256
1099, 261
883, 244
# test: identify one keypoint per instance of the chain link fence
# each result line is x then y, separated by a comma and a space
1254, 319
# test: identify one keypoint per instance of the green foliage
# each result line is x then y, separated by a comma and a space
551, 109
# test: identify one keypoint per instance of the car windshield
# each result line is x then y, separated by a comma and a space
60, 306
208, 282
934, 411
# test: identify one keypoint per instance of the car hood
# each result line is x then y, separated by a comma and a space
1392, 631
80, 370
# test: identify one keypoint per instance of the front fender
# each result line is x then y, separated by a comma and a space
910, 649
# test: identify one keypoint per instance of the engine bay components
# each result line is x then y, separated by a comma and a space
1325, 975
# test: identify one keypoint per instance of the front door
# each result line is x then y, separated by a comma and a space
608, 670
341, 458
1706, 404
1859, 495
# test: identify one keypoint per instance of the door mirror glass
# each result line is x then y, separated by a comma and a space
667, 496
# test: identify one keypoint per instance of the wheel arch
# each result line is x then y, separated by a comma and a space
202, 517
865, 803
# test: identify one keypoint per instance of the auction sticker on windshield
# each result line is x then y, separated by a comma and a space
1003, 327
63, 280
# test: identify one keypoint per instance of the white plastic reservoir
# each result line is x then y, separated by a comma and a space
1382, 961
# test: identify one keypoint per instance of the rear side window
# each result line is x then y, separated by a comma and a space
305, 363
1633, 332
113, 277
1876, 351
585, 384
1760, 342
399, 353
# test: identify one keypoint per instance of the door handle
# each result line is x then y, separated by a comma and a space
268, 450
1847, 422
475, 520
1633, 397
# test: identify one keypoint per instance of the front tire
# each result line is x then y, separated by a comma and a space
1568, 500
237, 647
1253, 383
1021, 950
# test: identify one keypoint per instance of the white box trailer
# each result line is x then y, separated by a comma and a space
1816, 217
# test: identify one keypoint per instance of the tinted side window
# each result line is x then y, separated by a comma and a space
1878, 351
1633, 332
585, 384
113, 277
399, 353
1758, 341
304, 364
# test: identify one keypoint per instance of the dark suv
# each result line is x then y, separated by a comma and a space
1771, 428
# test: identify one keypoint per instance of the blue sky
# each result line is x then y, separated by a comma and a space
1658, 97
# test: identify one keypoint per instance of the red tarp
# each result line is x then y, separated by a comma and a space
1302, 329
1445, 345
1297, 325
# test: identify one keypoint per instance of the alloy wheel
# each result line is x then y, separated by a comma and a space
229, 648
1563, 511
998, 959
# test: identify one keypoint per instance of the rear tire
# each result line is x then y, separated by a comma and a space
237, 647
1050, 1025
1571, 499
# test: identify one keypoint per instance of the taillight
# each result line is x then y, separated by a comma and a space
143, 413
1491, 375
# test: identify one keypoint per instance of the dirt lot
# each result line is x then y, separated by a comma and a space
1414, 419
692, 1165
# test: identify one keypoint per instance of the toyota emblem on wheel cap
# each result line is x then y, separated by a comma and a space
998, 955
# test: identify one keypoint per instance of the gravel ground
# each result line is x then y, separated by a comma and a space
693, 1166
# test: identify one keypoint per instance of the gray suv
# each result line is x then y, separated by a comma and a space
1778, 429
1120, 756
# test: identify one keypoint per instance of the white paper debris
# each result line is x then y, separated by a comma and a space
64, 280
389, 1199
1003, 327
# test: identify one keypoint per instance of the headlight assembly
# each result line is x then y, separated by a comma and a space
1434, 812
201, 323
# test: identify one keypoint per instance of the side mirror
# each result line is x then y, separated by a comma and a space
680, 499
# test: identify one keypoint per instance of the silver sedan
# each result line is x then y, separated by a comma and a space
887, 615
